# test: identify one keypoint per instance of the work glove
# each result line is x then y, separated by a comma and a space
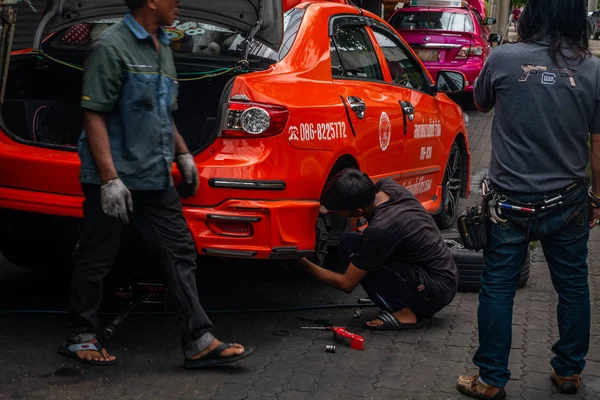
116, 200
189, 172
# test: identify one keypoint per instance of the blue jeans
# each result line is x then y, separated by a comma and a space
563, 232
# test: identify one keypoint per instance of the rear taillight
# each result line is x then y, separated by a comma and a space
249, 119
467, 51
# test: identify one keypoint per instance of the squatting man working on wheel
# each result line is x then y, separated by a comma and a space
401, 259
126, 151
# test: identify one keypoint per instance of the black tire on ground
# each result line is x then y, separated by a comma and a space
470, 265
451, 189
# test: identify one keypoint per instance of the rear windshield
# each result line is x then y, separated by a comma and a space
190, 38
438, 20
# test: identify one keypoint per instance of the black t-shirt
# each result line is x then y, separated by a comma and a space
402, 234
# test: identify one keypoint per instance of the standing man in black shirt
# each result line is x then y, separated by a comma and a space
400, 259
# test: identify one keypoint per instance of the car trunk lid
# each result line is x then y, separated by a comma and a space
479, 5
261, 18
438, 47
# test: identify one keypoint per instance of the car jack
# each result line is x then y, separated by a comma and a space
139, 293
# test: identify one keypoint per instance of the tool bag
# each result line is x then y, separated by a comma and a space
472, 224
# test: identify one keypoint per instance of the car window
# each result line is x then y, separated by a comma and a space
191, 38
291, 23
336, 64
405, 70
441, 20
352, 49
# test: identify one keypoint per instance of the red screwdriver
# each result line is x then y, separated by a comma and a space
356, 342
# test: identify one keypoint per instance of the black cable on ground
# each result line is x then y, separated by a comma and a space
254, 310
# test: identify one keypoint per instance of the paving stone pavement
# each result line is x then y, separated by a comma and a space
419, 364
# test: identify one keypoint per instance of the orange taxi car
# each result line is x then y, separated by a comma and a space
274, 99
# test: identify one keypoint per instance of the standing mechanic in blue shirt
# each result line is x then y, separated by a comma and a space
546, 91
126, 151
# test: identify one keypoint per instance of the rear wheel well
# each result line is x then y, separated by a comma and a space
331, 227
345, 161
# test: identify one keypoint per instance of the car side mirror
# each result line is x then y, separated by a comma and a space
490, 21
495, 38
450, 82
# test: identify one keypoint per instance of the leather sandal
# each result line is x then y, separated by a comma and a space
473, 387
566, 384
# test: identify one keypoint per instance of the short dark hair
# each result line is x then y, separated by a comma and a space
564, 22
348, 190
135, 4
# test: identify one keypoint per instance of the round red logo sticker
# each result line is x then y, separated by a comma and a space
385, 131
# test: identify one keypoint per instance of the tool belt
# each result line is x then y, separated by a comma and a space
473, 223
502, 201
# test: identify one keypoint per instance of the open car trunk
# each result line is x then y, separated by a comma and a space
44, 89
42, 104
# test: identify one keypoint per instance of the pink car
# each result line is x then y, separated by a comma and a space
447, 34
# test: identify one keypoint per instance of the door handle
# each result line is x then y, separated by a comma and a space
408, 109
357, 105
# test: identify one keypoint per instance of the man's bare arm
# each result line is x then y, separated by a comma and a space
97, 136
180, 145
346, 282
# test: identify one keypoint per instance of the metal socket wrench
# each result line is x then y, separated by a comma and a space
330, 348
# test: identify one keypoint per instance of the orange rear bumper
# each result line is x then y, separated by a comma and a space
234, 228
255, 228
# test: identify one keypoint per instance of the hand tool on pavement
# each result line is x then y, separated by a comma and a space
356, 342
112, 327
139, 293
318, 321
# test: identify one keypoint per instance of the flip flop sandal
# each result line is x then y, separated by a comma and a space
214, 358
390, 323
71, 351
